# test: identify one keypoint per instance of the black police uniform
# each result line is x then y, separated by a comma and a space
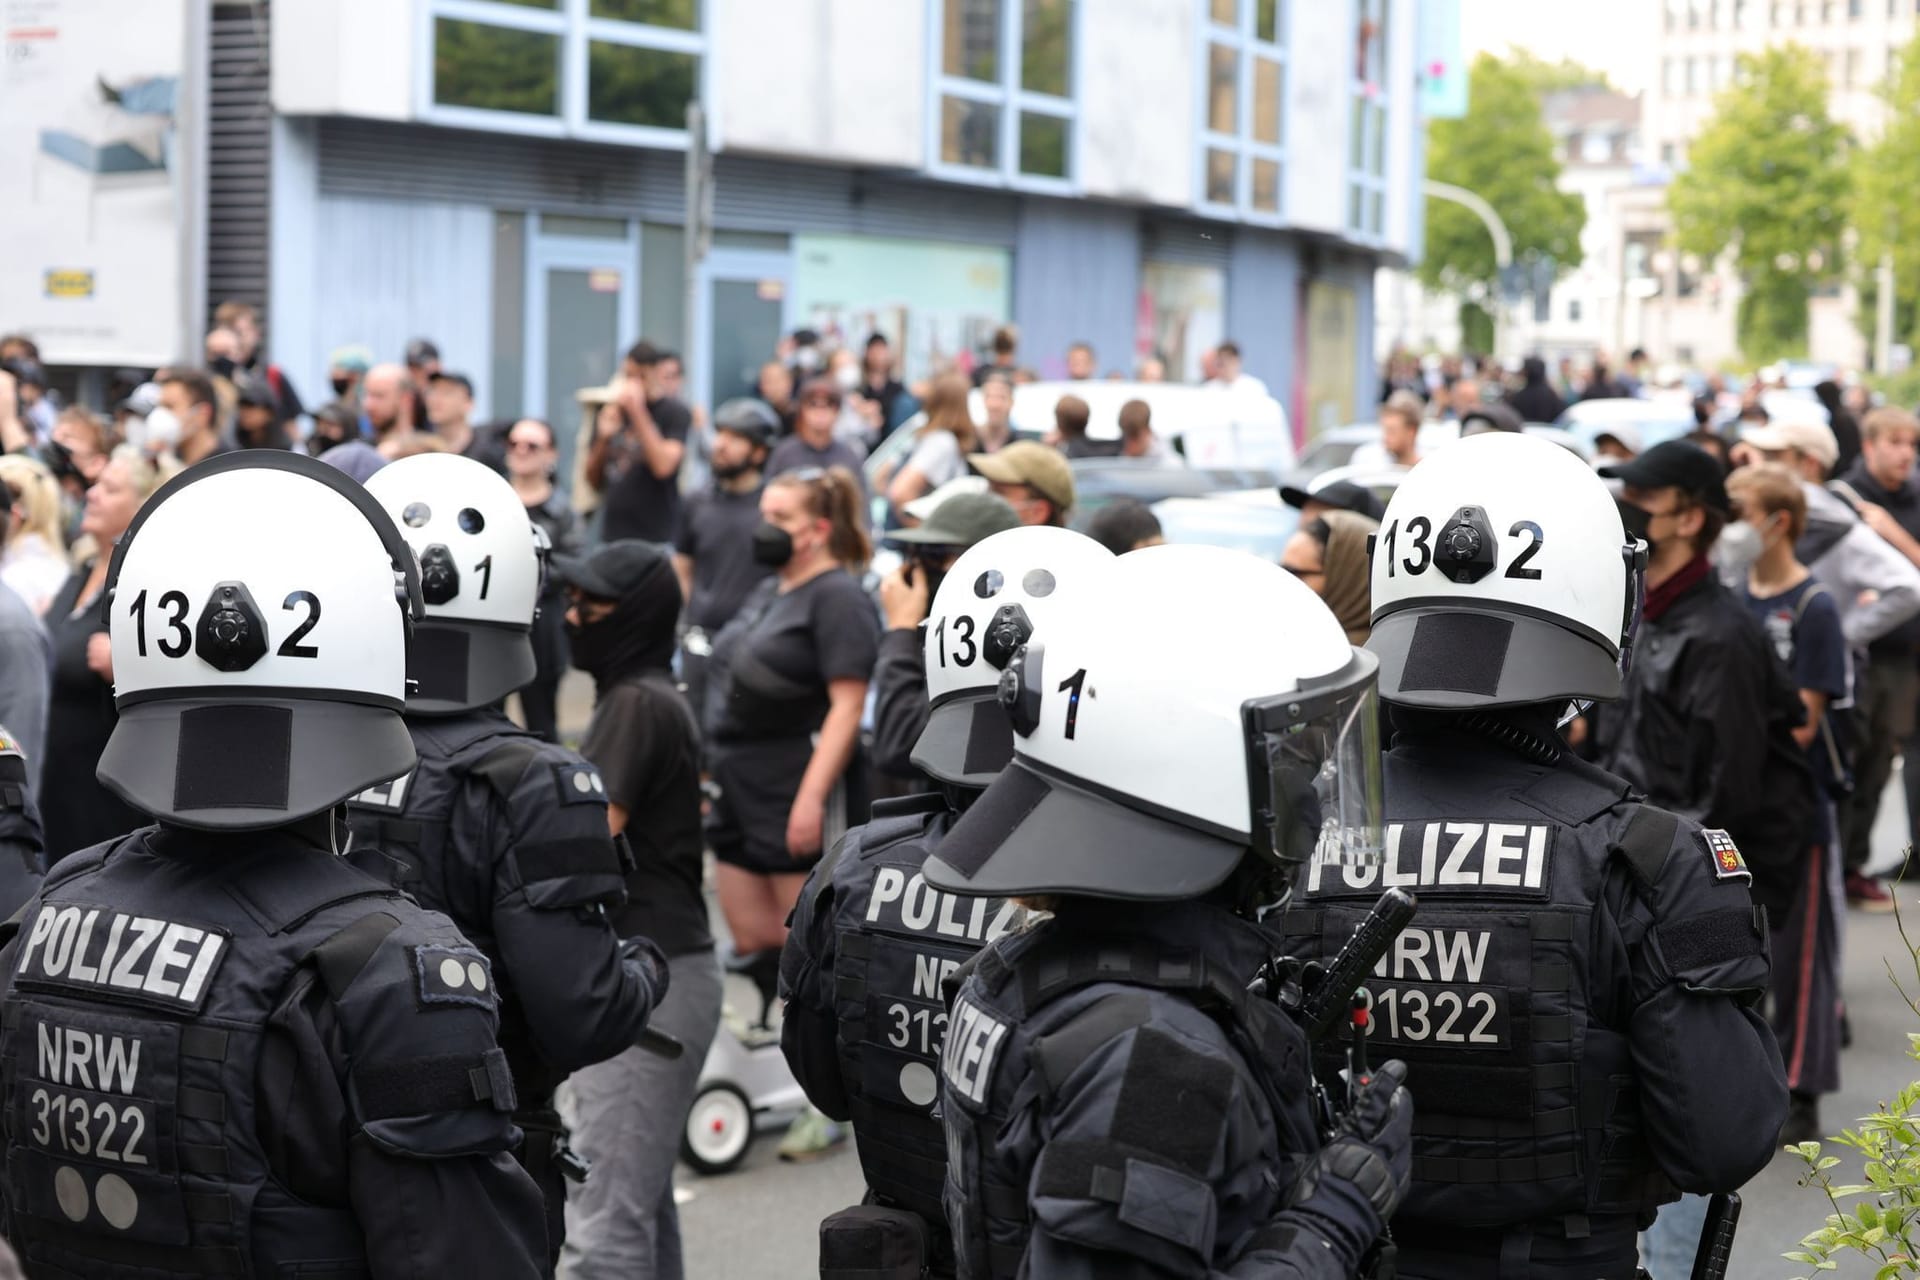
1576, 1001
236, 1055
508, 835
868, 946
23, 851
1117, 1105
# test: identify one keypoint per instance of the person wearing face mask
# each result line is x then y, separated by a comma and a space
186, 422
1803, 624
1706, 715
814, 443
631, 1109
75, 808
787, 686
346, 367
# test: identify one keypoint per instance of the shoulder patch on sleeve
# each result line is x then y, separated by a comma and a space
453, 975
579, 783
1725, 855
10, 745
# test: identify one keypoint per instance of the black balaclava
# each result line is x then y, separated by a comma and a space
638, 635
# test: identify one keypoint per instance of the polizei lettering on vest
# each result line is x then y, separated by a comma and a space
909, 903
972, 1044
1488, 857
99, 949
81, 1058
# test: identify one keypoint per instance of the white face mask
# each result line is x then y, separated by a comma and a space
162, 430
847, 376
1739, 546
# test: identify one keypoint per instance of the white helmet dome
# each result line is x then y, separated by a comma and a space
1502, 575
1000, 592
480, 572
259, 606
1203, 706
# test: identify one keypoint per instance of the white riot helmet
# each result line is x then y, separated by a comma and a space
993, 599
1502, 576
1204, 707
259, 606
480, 568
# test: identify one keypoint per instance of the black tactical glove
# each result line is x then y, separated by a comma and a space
652, 962
1359, 1178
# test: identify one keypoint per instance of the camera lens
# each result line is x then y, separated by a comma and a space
416, 514
471, 521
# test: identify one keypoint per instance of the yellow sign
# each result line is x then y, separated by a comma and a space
69, 284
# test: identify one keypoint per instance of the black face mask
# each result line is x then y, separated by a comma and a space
342, 385
735, 471
222, 365
772, 546
1636, 520
637, 636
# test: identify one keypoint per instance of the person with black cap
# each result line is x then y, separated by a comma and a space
1577, 999
1321, 496
1116, 1102
449, 401
506, 833
713, 545
631, 1109
296, 1067
867, 937
900, 676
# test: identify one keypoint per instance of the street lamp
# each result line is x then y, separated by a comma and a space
1502, 249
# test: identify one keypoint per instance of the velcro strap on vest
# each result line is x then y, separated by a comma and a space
342, 957
211, 1162
1646, 843
433, 1085
567, 856
197, 1041
1710, 938
1489, 1169
1059, 1054
202, 1104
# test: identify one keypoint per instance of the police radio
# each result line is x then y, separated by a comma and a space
1326, 995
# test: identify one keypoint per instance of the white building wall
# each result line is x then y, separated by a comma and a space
343, 57
1137, 99
1319, 85
1403, 180
829, 80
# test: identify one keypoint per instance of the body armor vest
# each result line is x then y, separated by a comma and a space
896, 939
132, 1036
1528, 1110
403, 835
22, 848
995, 1062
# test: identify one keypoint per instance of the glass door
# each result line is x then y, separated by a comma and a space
744, 308
583, 312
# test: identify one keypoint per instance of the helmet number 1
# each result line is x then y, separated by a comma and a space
1071, 686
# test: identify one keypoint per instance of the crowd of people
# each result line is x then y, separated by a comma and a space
761, 694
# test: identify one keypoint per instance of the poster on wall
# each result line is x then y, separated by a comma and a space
1186, 308
935, 301
91, 222
1333, 343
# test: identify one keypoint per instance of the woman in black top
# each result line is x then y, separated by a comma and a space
788, 688
75, 809
532, 456
632, 1109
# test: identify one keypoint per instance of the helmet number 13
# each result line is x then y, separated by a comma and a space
1420, 534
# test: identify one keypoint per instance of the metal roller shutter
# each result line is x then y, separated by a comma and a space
239, 135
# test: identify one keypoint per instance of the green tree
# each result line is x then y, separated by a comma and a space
1884, 214
1501, 151
1767, 183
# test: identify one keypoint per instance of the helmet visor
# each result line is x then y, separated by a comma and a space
1317, 762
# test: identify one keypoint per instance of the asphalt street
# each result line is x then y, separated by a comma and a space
761, 1221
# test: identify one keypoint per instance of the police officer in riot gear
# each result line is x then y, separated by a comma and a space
224, 1051
504, 832
1578, 997
23, 851
1116, 1103
870, 941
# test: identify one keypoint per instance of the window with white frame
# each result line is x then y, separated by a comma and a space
1004, 87
615, 69
1367, 122
1243, 117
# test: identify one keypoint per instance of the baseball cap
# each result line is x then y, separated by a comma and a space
748, 417
1344, 494
353, 358
256, 392
1040, 467
142, 400
928, 503
421, 350
1814, 439
613, 570
1676, 464
441, 375
961, 521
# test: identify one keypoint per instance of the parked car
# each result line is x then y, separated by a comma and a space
1209, 426
1256, 520
1656, 421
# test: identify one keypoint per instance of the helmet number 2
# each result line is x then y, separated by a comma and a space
291, 646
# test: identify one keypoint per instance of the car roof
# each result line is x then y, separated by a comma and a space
1176, 406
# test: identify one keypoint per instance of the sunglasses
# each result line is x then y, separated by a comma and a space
821, 402
527, 446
